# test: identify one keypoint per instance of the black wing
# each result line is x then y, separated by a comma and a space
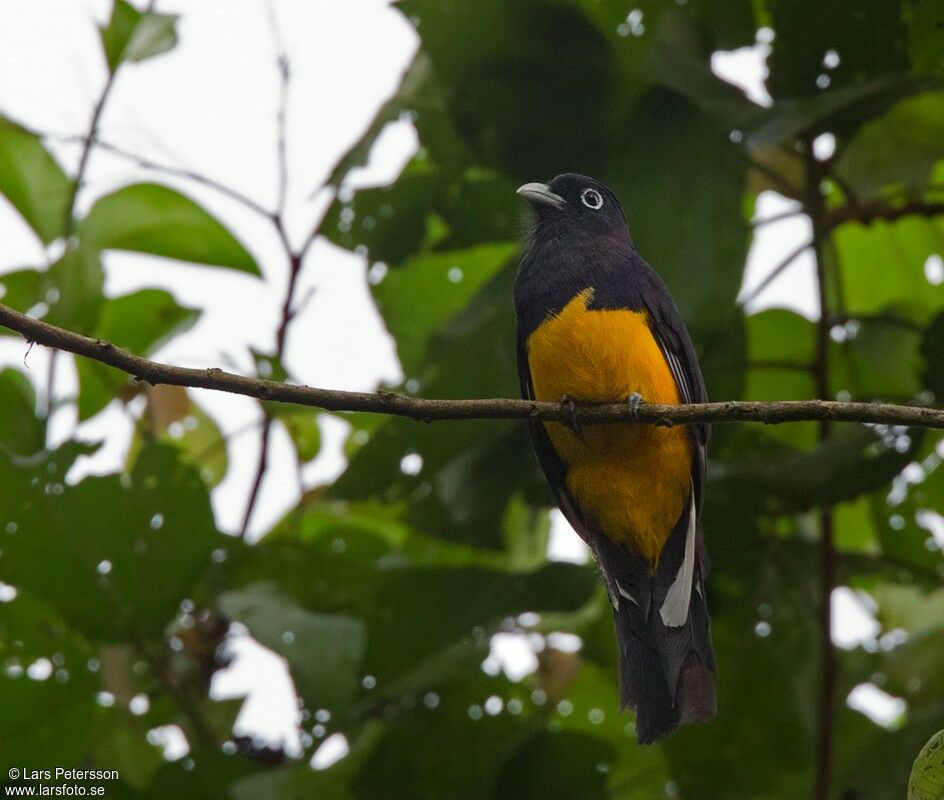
674, 341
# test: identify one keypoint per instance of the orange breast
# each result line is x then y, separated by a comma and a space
630, 480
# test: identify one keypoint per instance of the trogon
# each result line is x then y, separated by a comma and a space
597, 324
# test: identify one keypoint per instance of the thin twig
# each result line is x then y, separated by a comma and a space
815, 207
91, 139
261, 465
776, 273
68, 223
294, 257
87, 147
427, 410
181, 172
283, 65
788, 214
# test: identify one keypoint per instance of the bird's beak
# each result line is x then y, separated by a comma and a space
540, 194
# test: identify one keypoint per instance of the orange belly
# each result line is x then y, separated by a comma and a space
632, 481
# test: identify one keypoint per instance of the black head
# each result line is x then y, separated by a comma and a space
576, 202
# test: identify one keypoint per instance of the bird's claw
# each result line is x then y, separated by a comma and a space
569, 408
634, 401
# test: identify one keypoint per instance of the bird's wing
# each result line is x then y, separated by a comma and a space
674, 341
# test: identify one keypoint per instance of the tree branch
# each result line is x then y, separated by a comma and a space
866, 215
428, 410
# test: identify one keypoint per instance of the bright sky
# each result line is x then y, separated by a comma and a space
211, 105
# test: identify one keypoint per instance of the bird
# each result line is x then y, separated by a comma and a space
596, 323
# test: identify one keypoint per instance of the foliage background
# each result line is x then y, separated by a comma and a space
383, 589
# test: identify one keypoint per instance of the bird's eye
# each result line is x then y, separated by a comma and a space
591, 198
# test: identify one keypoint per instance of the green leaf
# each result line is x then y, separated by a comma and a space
132, 35
781, 345
880, 359
155, 219
419, 297
932, 375
683, 64
777, 334
423, 609
76, 290
32, 629
155, 34
202, 444
899, 149
145, 321
881, 266
205, 773
868, 35
853, 529
908, 608
125, 748
842, 111
141, 322
694, 224
302, 428
22, 432
778, 479
418, 755
324, 651
471, 469
116, 35
22, 290
301, 782
48, 723
173, 418
925, 40
269, 366
391, 222
490, 59
927, 774
900, 518
33, 181
875, 763
132, 548
557, 765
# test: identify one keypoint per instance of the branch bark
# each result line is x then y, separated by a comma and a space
866, 215
428, 410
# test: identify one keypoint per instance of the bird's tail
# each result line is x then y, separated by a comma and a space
666, 661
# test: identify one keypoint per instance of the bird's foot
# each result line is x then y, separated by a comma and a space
635, 400
569, 407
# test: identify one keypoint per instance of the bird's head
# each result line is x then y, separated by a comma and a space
577, 203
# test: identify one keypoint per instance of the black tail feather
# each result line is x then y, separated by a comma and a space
643, 686
666, 673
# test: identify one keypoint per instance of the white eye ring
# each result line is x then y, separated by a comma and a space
592, 199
